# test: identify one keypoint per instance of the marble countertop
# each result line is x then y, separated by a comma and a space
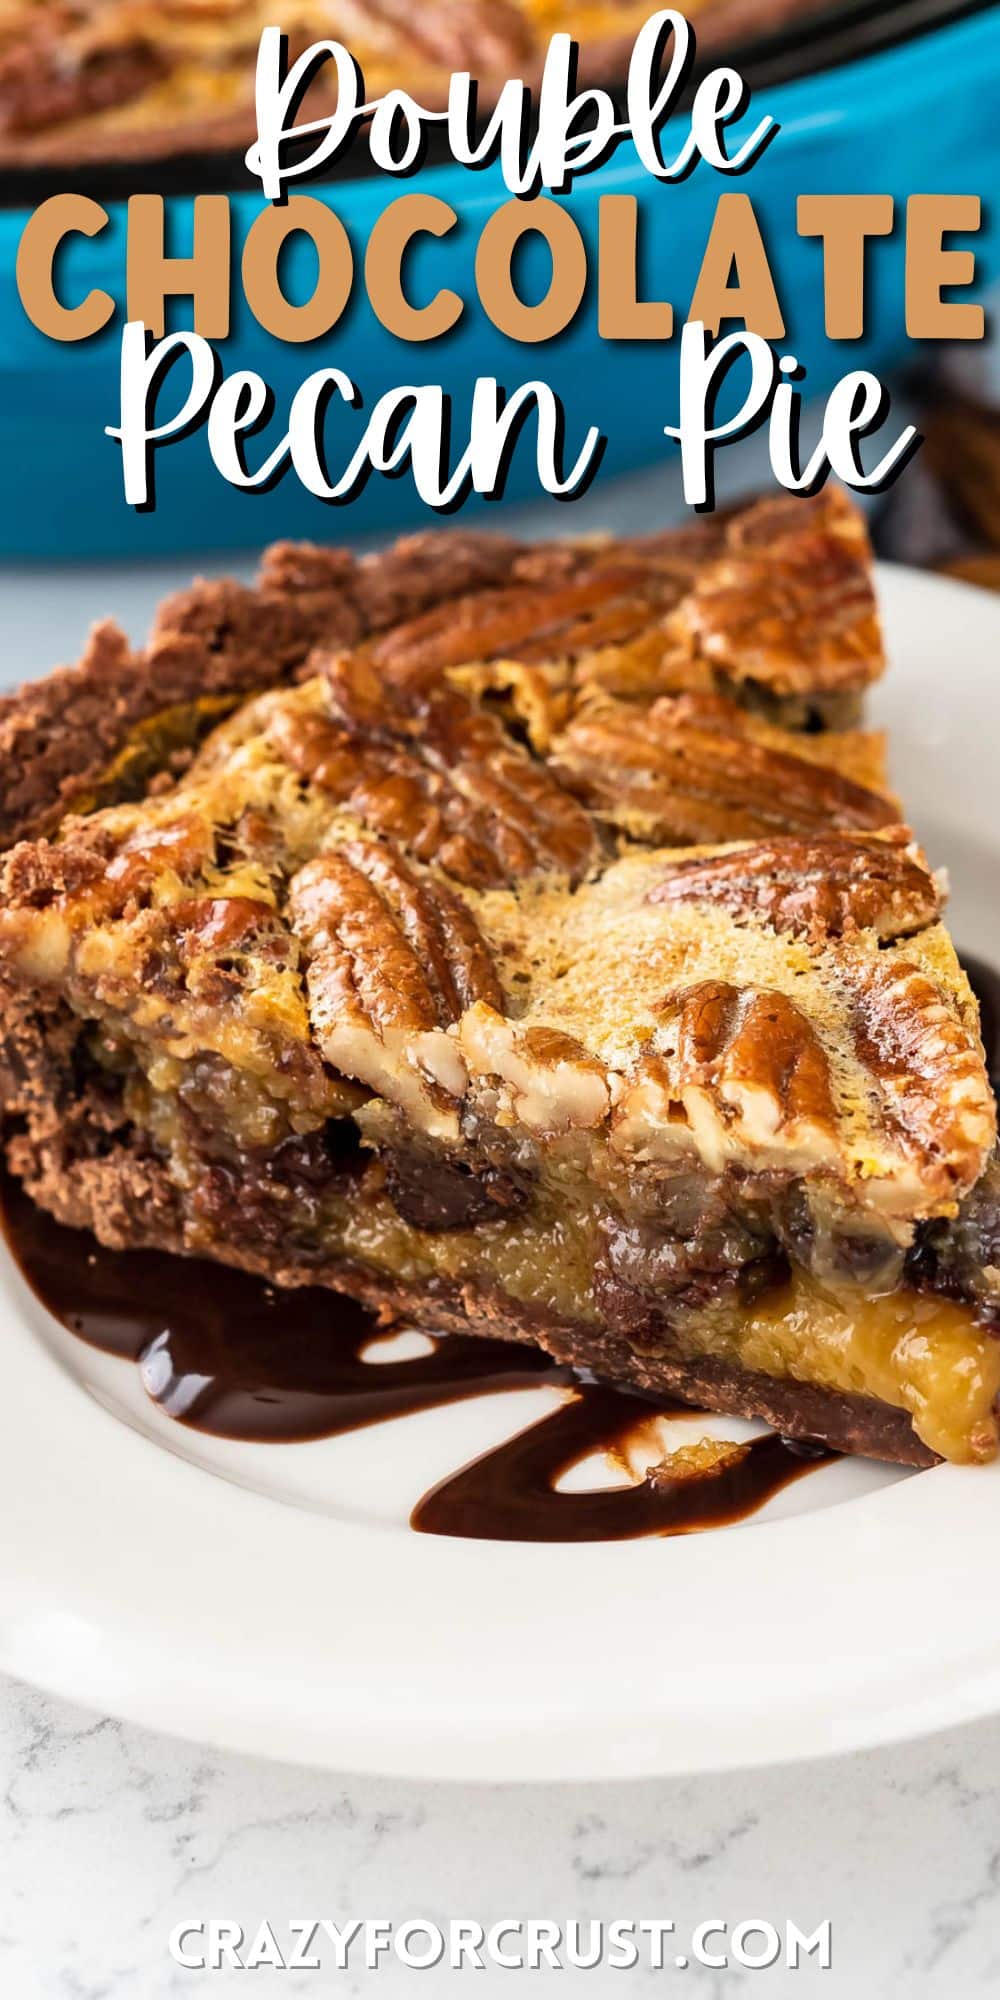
110, 1836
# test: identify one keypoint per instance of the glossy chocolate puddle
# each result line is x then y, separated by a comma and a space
228, 1354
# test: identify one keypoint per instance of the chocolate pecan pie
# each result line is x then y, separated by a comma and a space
613, 1017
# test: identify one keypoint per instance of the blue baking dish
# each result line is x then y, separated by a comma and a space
917, 117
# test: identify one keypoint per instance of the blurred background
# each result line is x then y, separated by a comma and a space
896, 98
871, 99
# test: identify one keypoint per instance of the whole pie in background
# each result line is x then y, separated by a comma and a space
92, 79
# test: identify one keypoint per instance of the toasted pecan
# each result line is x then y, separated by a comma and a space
790, 603
754, 1057
393, 957
552, 1082
390, 791
467, 795
556, 617
698, 768
926, 1064
825, 886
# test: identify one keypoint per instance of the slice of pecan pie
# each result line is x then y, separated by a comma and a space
85, 81
361, 988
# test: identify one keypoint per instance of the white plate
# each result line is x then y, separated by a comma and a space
273, 1598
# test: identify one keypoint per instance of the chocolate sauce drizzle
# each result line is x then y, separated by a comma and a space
227, 1354
511, 1495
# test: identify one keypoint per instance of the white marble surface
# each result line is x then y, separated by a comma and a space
109, 1836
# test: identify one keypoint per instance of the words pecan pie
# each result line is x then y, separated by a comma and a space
466, 929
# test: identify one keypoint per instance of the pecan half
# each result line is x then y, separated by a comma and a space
599, 601
821, 887
698, 769
926, 1065
490, 37
393, 958
790, 604
742, 1079
750, 1062
392, 793
441, 776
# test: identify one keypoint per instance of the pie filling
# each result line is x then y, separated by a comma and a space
754, 1274
918, 1350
